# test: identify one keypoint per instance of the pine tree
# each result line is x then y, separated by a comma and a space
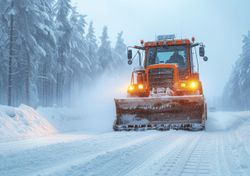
47, 40
104, 51
120, 52
237, 90
92, 48
120, 46
25, 24
11, 54
64, 31
79, 63
3, 51
244, 73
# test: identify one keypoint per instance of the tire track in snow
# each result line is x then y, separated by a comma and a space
236, 155
194, 155
27, 144
44, 159
202, 159
166, 157
169, 162
123, 160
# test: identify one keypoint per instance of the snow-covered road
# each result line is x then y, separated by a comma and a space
224, 149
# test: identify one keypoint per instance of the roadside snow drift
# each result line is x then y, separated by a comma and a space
223, 121
22, 122
64, 119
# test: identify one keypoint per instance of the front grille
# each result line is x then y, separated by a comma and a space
161, 78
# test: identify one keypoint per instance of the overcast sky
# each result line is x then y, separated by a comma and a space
220, 25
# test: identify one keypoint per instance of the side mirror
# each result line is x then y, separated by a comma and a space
130, 62
130, 54
205, 58
202, 51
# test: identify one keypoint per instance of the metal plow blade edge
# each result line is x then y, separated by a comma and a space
160, 113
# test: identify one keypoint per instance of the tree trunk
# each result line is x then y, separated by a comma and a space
10, 78
27, 80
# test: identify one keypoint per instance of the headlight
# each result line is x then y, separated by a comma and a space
183, 85
194, 85
131, 88
140, 86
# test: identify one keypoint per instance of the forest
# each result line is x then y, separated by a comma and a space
237, 90
49, 52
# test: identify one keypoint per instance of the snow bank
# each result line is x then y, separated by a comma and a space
64, 119
22, 122
222, 121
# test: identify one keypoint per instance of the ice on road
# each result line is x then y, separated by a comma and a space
223, 149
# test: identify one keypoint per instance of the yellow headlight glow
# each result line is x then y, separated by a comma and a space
131, 88
183, 85
140, 86
194, 85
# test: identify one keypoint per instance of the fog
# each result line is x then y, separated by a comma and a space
96, 103
220, 25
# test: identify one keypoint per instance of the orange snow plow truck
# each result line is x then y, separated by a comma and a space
165, 90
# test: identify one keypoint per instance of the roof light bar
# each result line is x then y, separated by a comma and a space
165, 37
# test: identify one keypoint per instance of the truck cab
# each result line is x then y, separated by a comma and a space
168, 68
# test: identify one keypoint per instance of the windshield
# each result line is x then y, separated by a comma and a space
172, 54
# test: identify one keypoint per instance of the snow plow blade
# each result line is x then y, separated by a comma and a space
160, 113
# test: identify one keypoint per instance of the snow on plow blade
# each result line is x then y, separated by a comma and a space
163, 113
